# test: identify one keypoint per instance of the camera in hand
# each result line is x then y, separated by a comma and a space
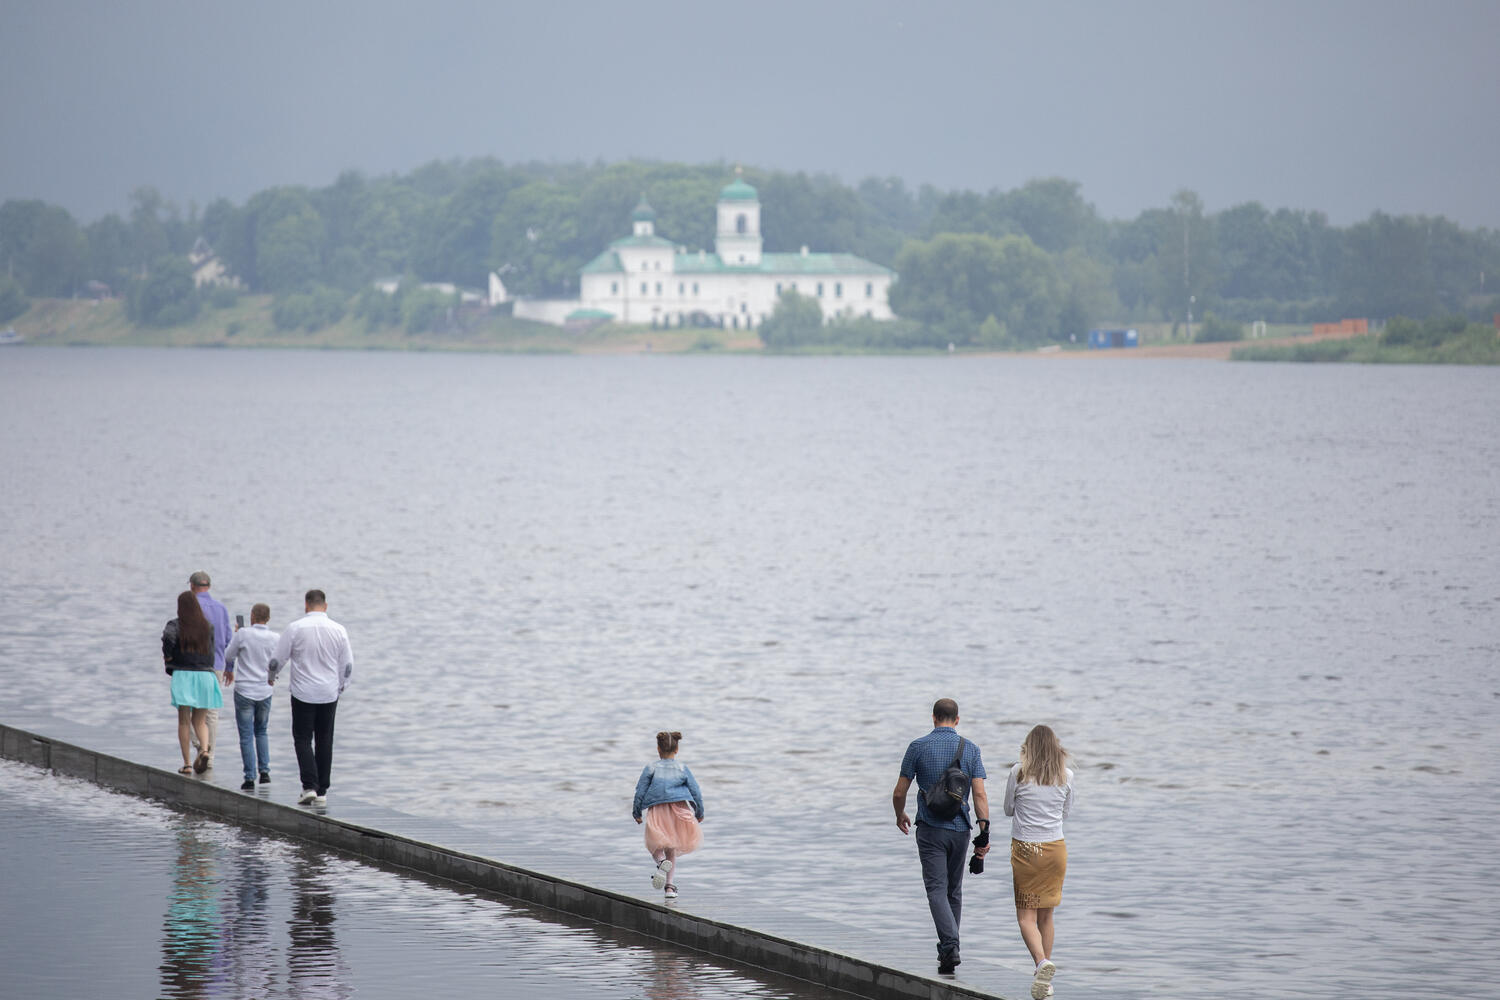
976, 863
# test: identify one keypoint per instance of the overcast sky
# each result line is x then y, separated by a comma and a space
1344, 106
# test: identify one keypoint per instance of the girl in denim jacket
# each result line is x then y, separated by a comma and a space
667, 799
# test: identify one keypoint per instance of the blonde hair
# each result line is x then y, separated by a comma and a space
1044, 760
667, 742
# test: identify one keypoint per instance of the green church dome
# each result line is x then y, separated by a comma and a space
738, 190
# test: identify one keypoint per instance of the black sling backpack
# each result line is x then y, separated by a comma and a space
945, 799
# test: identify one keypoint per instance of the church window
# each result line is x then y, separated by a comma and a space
681, 288
658, 288
744, 307
742, 258
741, 224
838, 289
695, 288
869, 289
643, 288
778, 288
820, 289
614, 288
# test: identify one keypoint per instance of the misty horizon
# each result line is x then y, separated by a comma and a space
1342, 108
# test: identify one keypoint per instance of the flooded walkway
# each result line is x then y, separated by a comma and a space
590, 921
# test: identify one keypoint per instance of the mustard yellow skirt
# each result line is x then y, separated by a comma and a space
1038, 870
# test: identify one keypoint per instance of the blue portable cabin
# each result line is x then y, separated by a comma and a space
1101, 339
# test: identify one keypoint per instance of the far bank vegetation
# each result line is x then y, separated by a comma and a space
997, 270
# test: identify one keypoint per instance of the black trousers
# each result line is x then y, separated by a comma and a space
312, 735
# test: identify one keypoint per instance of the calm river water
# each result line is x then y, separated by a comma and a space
1257, 602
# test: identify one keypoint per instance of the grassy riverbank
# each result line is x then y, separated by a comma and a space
1434, 342
248, 324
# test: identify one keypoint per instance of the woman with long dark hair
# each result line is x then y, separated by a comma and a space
187, 646
1038, 794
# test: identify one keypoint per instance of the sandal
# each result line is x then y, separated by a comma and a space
185, 770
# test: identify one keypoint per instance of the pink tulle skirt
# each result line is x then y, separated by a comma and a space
672, 825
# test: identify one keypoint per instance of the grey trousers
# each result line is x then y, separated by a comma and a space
943, 854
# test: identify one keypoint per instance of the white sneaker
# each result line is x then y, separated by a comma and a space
1041, 982
671, 891
320, 800
307, 796
662, 873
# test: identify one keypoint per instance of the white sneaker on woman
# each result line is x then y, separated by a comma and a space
1041, 983
663, 872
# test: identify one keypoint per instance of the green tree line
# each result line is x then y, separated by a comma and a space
1022, 266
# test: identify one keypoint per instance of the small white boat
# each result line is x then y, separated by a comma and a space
10, 336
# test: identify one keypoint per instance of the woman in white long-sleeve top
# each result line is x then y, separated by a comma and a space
1038, 795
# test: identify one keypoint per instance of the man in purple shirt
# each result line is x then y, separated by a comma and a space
218, 617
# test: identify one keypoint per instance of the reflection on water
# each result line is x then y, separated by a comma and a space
314, 965
248, 934
192, 940
247, 915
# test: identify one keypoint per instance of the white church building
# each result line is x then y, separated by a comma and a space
646, 279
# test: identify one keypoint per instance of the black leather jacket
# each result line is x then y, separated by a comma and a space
176, 658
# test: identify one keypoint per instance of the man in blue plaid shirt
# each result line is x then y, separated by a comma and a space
942, 843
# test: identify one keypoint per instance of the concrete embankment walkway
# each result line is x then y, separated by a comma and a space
742, 931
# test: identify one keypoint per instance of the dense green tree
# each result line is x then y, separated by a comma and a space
109, 251
801, 210
954, 282
166, 296
58, 255
1053, 213
287, 252
797, 321
42, 248
536, 236
386, 229
1088, 294
148, 230
13, 301
1186, 258
457, 240
1386, 269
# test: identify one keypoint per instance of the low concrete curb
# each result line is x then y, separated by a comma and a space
820, 966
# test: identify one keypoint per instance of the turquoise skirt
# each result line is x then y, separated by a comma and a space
196, 689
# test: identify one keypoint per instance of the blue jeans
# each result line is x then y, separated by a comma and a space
942, 853
251, 718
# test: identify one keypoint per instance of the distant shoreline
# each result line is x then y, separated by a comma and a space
248, 326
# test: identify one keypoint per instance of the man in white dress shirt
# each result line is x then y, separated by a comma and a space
315, 652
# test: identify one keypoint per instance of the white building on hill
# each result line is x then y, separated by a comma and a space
643, 278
